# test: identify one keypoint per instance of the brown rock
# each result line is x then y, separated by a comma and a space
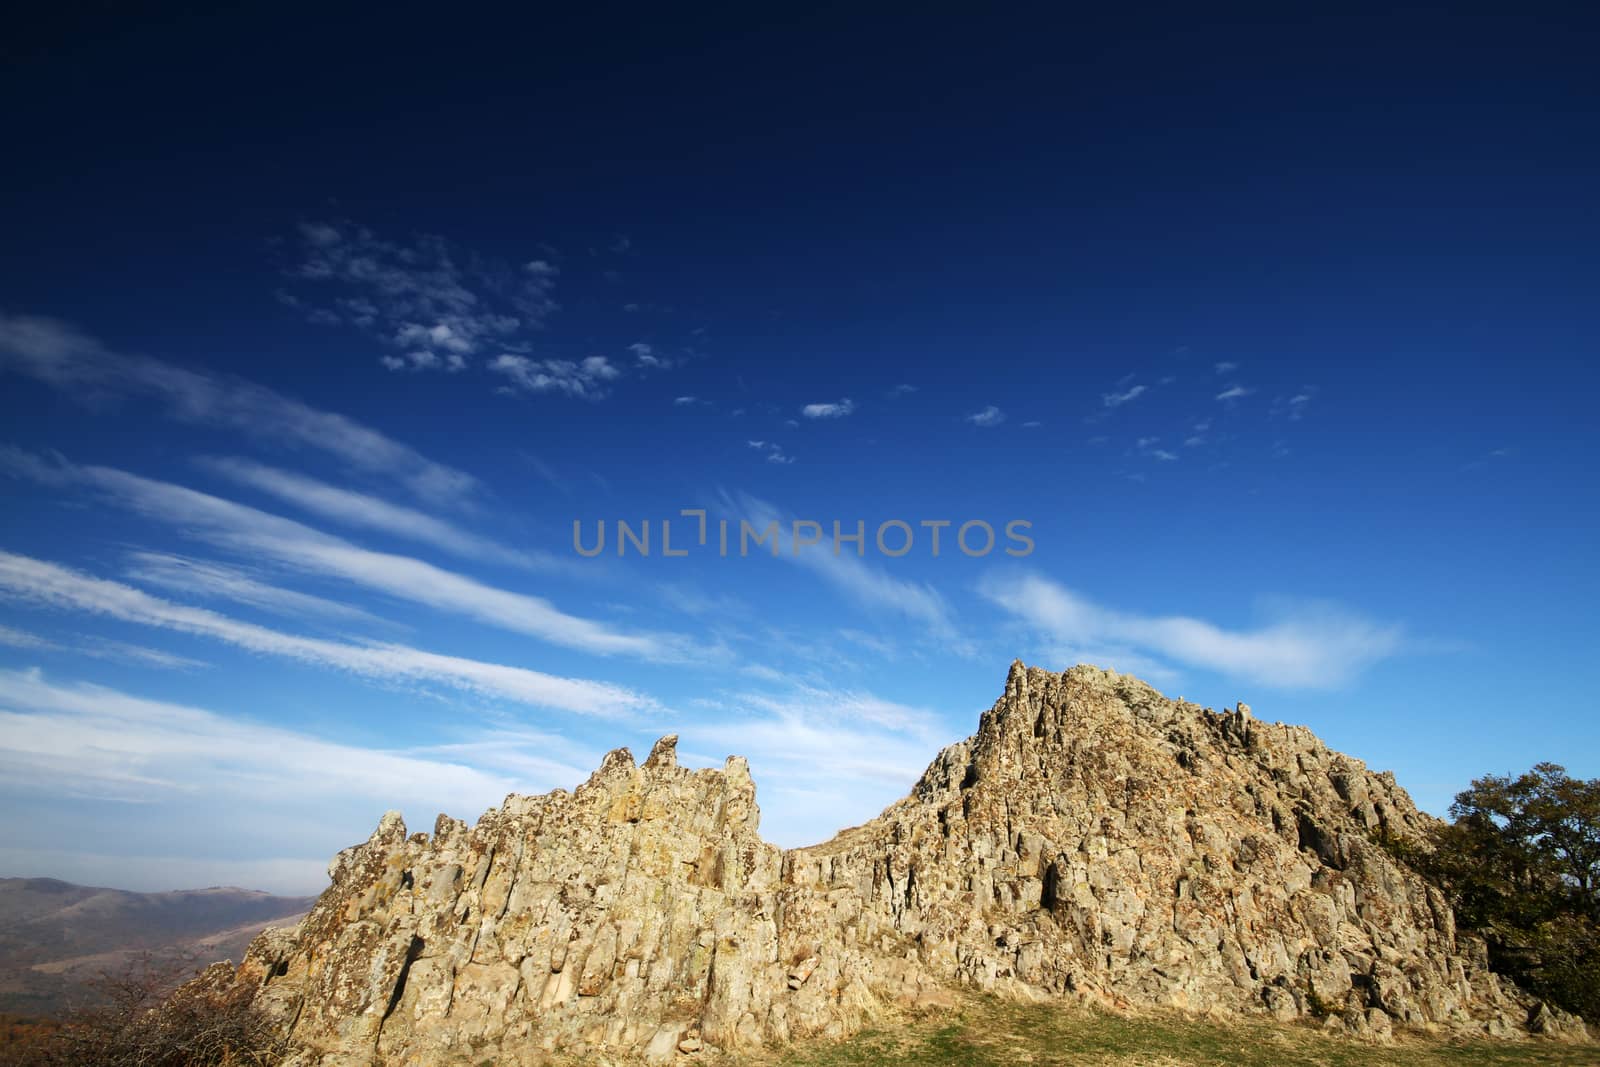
1093, 841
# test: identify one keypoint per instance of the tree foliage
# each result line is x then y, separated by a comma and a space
1521, 863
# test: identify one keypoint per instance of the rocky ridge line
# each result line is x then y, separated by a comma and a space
1093, 841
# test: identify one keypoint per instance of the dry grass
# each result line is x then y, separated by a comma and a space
991, 1033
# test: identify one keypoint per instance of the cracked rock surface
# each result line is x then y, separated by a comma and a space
1093, 841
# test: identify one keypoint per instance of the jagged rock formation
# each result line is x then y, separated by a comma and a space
1093, 840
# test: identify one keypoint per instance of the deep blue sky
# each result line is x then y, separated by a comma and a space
1279, 329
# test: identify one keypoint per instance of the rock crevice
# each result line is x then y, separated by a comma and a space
1093, 840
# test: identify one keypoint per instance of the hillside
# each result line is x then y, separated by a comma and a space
54, 935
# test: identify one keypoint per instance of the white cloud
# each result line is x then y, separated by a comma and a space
900, 390
201, 775
246, 530
99, 648
59, 355
420, 360
586, 378
989, 416
216, 581
823, 758
123, 651
22, 639
829, 411
1116, 400
27, 580
1313, 646
432, 302
685, 401
1295, 405
1224, 368
120, 745
647, 357
867, 585
370, 512
1147, 446
1234, 392
773, 451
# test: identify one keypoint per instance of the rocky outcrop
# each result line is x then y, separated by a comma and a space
1093, 841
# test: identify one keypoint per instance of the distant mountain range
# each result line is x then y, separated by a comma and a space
55, 936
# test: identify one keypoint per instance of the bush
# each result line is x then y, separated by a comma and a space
137, 1020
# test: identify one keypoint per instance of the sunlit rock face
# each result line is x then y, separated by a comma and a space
1093, 841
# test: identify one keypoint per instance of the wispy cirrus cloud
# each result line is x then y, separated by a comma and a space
15, 638
847, 572
108, 742
246, 530
1295, 404
61, 356
24, 579
435, 305
1116, 400
1315, 646
99, 648
773, 452
370, 512
826, 758
836, 410
1147, 446
210, 580
1234, 392
201, 774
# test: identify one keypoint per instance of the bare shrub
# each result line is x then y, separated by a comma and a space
138, 1020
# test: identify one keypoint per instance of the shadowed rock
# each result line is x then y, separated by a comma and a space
1093, 841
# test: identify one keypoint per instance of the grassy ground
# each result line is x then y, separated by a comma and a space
987, 1033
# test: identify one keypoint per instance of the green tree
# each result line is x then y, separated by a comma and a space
1521, 863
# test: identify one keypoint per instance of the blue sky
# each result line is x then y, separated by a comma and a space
317, 335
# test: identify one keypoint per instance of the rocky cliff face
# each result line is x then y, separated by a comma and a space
1094, 840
